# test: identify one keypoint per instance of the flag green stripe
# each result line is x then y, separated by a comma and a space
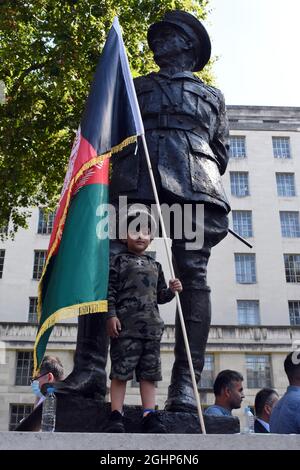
79, 272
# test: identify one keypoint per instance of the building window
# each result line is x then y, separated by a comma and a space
242, 223
281, 147
239, 183
24, 367
46, 221
248, 312
17, 413
207, 375
39, 261
290, 226
285, 184
294, 311
2, 256
258, 371
32, 313
237, 146
292, 268
245, 268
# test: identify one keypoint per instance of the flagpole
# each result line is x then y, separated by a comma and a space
169, 256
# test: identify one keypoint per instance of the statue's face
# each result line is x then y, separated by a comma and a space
169, 45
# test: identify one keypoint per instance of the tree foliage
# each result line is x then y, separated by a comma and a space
49, 50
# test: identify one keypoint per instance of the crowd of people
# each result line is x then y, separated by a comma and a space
272, 414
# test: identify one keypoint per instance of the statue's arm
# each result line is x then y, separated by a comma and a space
220, 142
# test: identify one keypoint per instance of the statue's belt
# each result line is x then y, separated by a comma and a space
173, 121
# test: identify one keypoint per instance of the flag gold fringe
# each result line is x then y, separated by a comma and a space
98, 306
128, 141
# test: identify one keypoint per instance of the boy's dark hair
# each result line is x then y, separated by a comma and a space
292, 366
52, 364
262, 398
224, 379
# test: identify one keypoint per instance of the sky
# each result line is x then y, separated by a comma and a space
258, 45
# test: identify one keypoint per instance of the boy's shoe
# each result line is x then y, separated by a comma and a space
152, 423
115, 422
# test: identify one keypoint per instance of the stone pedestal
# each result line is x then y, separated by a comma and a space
128, 444
78, 414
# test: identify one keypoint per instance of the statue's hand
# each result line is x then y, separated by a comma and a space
113, 326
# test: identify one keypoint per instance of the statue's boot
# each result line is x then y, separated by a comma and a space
197, 315
88, 377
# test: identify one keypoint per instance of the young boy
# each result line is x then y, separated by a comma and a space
136, 286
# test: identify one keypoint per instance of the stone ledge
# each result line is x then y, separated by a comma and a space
104, 441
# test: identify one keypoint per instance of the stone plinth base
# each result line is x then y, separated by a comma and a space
78, 414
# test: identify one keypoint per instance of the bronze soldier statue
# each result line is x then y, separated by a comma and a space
187, 135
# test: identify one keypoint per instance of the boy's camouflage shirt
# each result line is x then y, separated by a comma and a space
136, 286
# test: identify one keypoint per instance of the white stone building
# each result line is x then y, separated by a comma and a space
255, 292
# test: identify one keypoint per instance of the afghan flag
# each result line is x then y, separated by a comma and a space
75, 276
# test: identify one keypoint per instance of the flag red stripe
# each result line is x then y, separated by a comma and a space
97, 174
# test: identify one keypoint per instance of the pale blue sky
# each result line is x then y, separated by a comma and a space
258, 44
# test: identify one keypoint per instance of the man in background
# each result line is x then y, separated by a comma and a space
264, 402
285, 417
228, 390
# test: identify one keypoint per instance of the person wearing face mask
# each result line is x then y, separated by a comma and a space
51, 371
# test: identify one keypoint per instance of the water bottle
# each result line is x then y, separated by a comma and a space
249, 421
49, 411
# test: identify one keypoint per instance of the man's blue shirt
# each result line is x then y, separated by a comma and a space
216, 410
285, 417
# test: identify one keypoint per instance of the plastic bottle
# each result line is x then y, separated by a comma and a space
49, 411
249, 421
